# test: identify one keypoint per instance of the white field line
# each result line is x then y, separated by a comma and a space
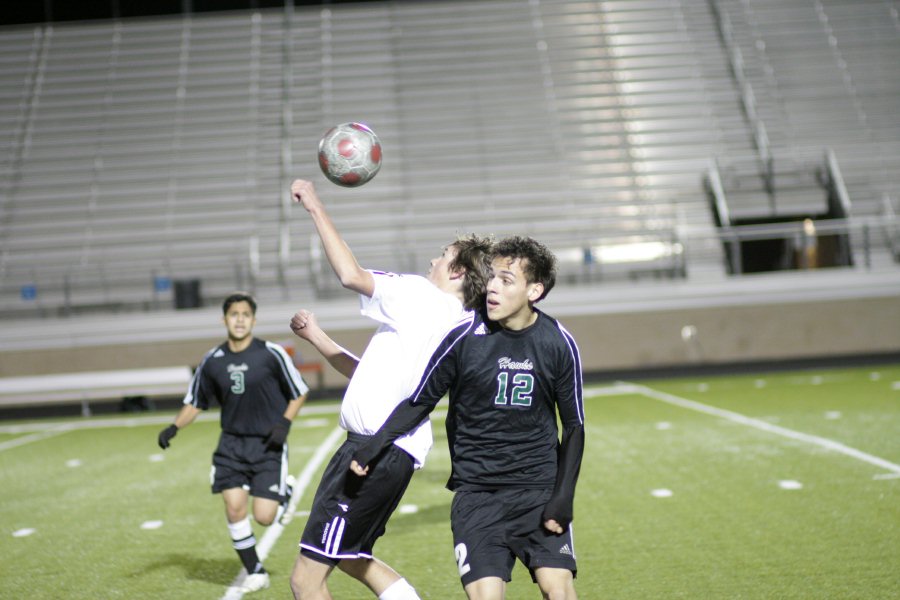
139, 420
826, 443
56, 427
27, 439
41, 430
274, 531
93, 423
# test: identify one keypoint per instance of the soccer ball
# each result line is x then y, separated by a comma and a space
350, 154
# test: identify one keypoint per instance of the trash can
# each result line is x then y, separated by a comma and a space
187, 293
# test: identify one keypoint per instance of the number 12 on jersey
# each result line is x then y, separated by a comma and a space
519, 394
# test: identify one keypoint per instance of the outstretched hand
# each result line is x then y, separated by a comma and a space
304, 192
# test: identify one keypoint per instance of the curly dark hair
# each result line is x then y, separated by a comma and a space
538, 263
239, 297
473, 255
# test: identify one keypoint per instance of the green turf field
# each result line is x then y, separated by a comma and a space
763, 486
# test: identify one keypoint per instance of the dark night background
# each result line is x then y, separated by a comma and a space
41, 11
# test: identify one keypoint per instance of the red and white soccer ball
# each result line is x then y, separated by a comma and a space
350, 154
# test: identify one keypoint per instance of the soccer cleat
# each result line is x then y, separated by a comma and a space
255, 582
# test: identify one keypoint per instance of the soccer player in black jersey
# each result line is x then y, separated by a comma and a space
509, 371
260, 392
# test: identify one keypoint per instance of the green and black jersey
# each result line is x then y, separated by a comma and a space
253, 386
506, 389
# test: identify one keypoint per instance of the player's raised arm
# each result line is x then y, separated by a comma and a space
351, 275
305, 326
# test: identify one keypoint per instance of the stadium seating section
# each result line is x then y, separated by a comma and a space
138, 153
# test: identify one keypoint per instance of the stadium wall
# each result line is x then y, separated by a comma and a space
636, 339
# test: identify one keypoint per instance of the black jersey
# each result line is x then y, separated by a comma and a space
506, 388
253, 386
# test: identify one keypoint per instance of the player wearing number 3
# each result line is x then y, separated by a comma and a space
514, 479
260, 392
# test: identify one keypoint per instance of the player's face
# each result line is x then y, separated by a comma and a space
239, 321
439, 273
509, 294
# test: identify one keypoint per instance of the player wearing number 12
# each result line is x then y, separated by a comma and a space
514, 478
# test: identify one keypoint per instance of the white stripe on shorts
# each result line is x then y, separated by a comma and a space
335, 535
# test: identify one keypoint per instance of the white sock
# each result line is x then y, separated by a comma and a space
240, 530
399, 590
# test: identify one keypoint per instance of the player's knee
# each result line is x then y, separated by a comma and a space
296, 585
265, 511
265, 520
308, 579
234, 514
300, 583
559, 590
557, 594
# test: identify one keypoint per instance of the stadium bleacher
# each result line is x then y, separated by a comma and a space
135, 151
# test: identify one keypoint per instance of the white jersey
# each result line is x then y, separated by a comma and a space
414, 316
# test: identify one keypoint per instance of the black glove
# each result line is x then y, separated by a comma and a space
560, 510
276, 438
366, 454
167, 434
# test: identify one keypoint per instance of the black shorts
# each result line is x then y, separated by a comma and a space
244, 461
349, 513
493, 528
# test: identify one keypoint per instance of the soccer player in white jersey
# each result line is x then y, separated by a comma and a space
260, 391
349, 513
511, 370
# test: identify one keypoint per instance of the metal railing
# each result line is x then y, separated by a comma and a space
874, 241
748, 98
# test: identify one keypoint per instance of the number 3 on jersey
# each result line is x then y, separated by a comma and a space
238, 378
522, 386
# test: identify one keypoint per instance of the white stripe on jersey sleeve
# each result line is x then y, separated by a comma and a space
468, 319
579, 377
290, 372
191, 396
